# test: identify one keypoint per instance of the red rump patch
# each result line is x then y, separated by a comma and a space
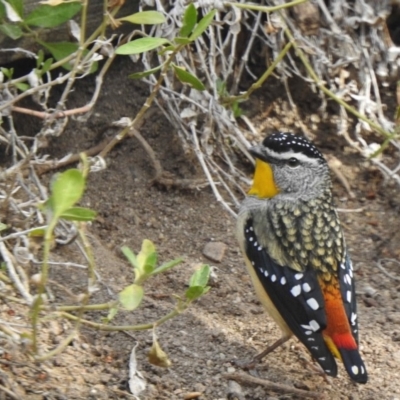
344, 341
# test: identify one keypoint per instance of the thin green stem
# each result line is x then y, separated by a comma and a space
42, 284
256, 85
265, 9
102, 327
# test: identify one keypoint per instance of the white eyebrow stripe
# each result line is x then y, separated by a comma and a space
289, 154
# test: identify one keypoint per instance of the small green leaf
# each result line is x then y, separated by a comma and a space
200, 276
166, 266
131, 297
61, 50
37, 233
141, 45
79, 214
67, 189
145, 18
2, 11
189, 20
40, 58
7, 72
22, 86
186, 77
203, 24
46, 66
3, 226
18, 6
12, 31
46, 16
138, 75
147, 258
111, 314
130, 255
182, 40
194, 292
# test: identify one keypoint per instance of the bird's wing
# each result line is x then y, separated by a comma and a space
348, 291
296, 295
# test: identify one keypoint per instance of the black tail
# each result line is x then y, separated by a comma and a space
354, 365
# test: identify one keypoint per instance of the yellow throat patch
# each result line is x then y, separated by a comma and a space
263, 182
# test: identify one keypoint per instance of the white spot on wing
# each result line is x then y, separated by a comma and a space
283, 280
273, 278
354, 369
298, 276
348, 296
306, 287
313, 303
296, 290
314, 325
265, 273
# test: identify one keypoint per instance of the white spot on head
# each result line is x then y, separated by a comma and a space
296, 290
298, 276
283, 280
313, 303
354, 369
348, 296
273, 278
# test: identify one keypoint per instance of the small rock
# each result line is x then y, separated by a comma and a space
199, 387
214, 251
394, 317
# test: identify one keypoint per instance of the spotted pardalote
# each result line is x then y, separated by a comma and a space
290, 235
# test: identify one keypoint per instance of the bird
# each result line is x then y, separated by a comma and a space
290, 235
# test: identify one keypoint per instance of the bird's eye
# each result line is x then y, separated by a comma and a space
293, 162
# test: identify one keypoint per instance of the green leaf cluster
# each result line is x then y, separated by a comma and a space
190, 31
13, 22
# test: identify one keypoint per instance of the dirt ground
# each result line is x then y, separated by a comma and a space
228, 323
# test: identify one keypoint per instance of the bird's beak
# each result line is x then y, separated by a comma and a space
259, 152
